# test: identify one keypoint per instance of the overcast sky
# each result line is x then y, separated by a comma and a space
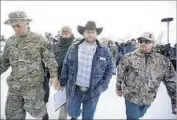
120, 19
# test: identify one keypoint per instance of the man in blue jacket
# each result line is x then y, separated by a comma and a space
131, 46
86, 72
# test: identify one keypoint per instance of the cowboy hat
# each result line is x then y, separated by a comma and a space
89, 25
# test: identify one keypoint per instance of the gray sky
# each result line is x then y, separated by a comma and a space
120, 19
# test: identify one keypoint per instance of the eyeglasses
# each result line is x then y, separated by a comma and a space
146, 41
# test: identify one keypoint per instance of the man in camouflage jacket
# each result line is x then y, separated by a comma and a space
24, 52
139, 76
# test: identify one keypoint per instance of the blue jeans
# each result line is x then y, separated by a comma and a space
88, 105
114, 67
134, 111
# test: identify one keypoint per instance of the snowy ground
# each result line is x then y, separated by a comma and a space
110, 106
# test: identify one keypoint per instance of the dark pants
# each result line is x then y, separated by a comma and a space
46, 87
47, 91
134, 111
88, 105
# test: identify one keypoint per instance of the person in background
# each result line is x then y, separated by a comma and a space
60, 50
131, 46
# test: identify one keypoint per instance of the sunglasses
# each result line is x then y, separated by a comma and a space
146, 41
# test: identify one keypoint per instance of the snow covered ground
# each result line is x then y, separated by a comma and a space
110, 106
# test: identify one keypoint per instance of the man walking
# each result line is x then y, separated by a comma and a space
139, 76
24, 52
60, 50
86, 72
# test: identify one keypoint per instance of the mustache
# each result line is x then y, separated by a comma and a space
143, 46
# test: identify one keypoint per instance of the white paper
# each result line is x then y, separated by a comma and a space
59, 99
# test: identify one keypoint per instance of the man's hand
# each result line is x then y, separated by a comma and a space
173, 108
119, 92
55, 83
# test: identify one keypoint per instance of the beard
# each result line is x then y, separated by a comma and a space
90, 40
143, 49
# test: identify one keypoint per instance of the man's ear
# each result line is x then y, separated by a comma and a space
27, 25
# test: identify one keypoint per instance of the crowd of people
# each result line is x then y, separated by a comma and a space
2, 38
84, 67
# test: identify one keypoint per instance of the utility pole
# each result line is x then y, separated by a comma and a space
168, 20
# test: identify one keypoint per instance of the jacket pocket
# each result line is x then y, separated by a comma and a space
102, 63
131, 75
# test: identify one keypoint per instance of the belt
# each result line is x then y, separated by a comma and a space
82, 88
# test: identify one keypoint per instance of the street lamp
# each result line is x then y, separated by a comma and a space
168, 20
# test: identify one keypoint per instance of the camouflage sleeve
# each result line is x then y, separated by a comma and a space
48, 58
4, 59
121, 71
170, 80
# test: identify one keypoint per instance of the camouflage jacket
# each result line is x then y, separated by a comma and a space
140, 82
25, 56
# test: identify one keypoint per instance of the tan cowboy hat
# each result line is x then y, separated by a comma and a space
17, 17
89, 25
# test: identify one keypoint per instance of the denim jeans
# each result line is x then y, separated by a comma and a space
88, 105
134, 111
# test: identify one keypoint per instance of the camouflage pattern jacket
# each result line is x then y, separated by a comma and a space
140, 82
25, 55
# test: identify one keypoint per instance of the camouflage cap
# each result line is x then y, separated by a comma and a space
147, 35
17, 17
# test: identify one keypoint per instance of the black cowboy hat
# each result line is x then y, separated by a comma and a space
89, 25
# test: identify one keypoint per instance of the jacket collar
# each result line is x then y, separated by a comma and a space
29, 35
139, 53
81, 41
